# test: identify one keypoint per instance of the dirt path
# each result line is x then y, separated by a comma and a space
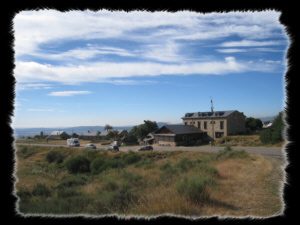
251, 189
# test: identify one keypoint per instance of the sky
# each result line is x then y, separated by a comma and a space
87, 68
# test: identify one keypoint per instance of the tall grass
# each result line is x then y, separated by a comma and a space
176, 182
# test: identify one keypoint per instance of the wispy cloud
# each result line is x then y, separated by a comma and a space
41, 110
250, 43
33, 86
69, 93
101, 72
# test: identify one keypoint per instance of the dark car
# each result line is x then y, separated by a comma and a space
113, 147
91, 146
146, 148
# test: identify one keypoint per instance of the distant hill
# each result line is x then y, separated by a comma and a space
268, 118
25, 132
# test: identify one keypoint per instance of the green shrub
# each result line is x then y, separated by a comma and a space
265, 136
73, 181
195, 189
23, 193
54, 155
110, 185
132, 158
78, 164
185, 164
123, 197
208, 169
67, 192
41, 190
165, 166
145, 164
96, 164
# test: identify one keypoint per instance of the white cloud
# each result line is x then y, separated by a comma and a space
33, 86
249, 43
41, 110
101, 72
33, 28
69, 93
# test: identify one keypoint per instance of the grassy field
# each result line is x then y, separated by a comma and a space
72, 181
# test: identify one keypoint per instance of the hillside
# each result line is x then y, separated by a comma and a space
25, 132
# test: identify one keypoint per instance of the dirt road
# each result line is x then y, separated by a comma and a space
267, 151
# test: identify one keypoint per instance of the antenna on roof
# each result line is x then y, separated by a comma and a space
212, 106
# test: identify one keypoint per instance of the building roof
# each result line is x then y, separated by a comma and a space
181, 129
104, 133
56, 132
91, 133
204, 115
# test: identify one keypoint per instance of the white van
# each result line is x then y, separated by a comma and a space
73, 142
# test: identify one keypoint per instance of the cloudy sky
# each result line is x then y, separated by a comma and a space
86, 68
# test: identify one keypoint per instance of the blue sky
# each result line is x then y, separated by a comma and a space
85, 68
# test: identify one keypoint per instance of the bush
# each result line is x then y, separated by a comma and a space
111, 185
41, 190
165, 166
195, 189
98, 165
132, 158
122, 199
145, 164
78, 164
265, 136
185, 164
73, 181
23, 194
67, 192
54, 155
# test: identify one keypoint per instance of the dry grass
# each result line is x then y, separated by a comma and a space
246, 186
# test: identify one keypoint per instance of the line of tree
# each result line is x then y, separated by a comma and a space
144, 129
253, 124
274, 134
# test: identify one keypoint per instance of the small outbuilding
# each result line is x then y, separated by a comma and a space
129, 140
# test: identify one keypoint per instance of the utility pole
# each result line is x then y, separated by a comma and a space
212, 120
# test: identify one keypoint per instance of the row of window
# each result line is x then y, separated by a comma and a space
205, 124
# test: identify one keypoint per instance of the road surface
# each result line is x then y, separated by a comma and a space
267, 151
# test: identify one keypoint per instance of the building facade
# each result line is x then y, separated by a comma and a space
217, 124
176, 135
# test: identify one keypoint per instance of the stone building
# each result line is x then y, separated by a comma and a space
217, 124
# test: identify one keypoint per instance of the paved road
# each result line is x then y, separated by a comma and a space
268, 151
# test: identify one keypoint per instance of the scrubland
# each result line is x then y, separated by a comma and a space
73, 181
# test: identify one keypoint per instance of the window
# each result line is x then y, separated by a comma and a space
219, 134
221, 125
205, 125
199, 125
185, 123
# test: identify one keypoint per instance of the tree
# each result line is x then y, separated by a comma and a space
253, 124
278, 126
274, 134
107, 127
98, 134
143, 130
64, 136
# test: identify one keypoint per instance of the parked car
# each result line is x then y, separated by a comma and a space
91, 146
146, 148
113, 147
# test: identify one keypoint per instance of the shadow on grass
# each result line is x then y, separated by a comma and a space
217, 203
